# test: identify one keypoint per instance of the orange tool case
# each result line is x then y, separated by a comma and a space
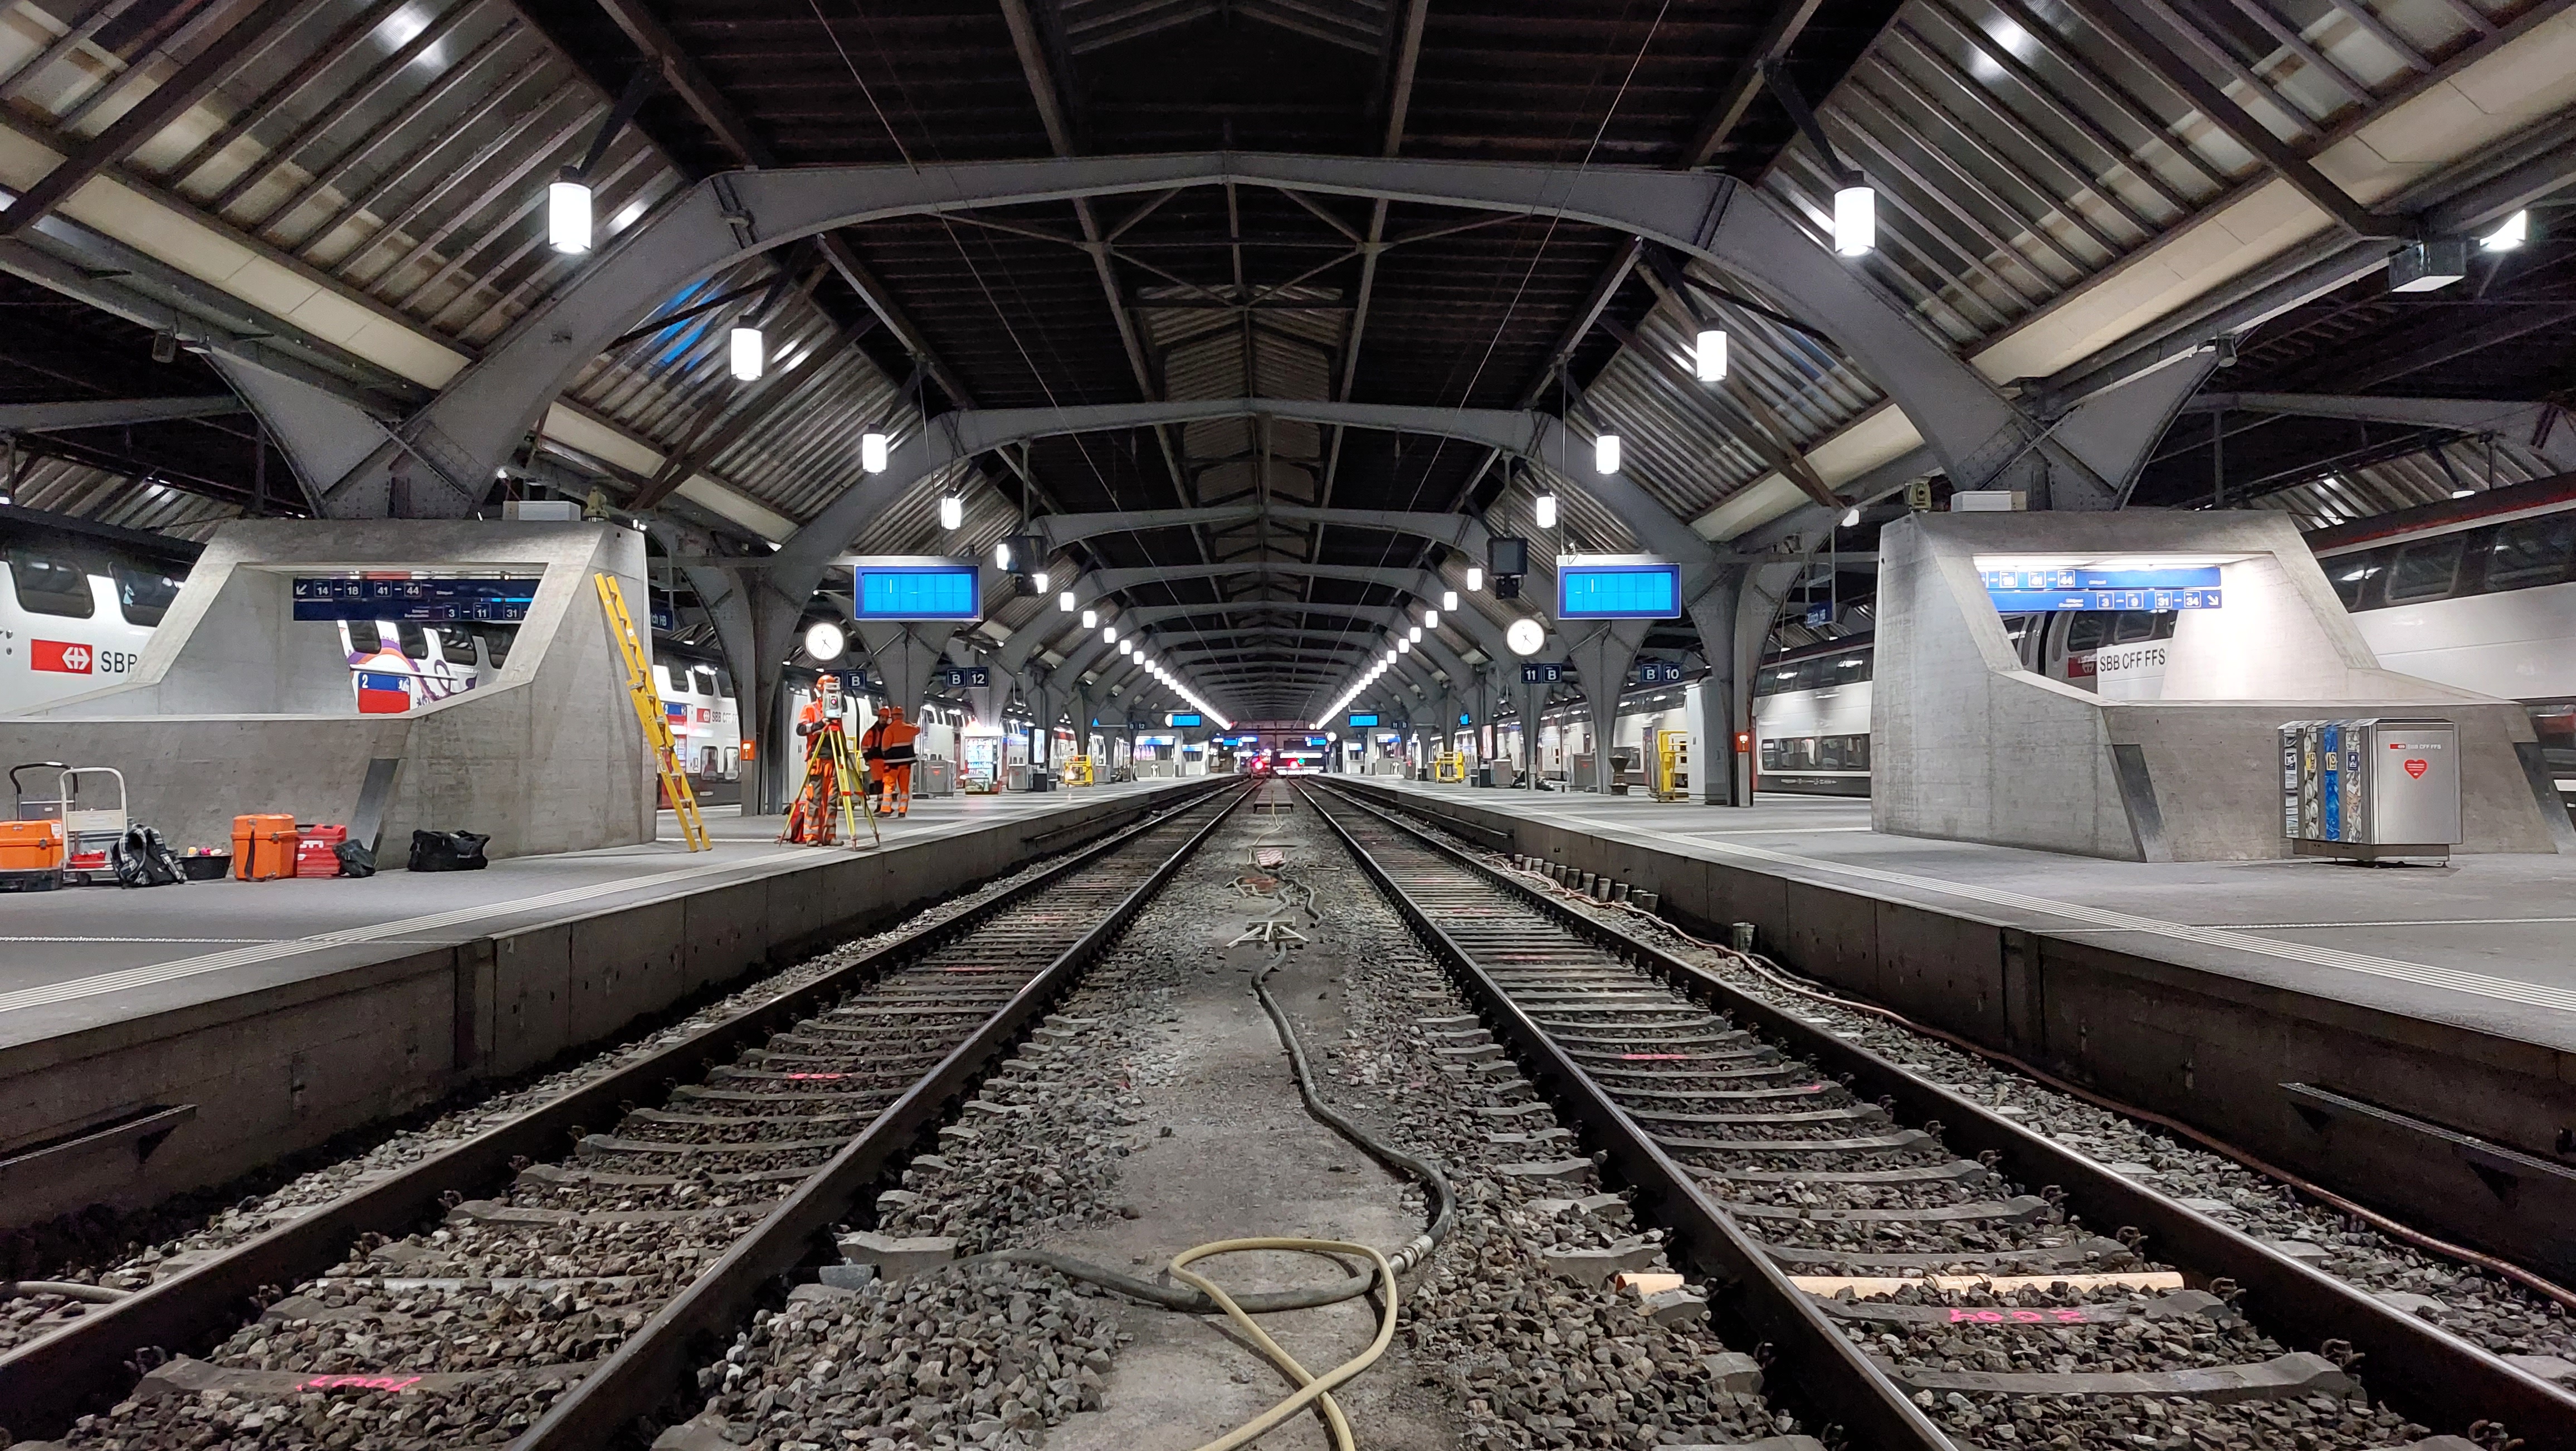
264, 846
31, 846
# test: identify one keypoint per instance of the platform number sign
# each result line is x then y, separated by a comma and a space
1548, 673
1658, 672
959, 677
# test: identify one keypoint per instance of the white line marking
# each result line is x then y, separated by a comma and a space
2420, 974
160, 972
2324, 926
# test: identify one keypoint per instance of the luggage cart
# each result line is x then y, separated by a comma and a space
90, 826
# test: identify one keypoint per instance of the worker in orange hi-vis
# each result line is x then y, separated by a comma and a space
887, 748
810, 819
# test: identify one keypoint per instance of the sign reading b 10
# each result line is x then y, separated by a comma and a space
1659, 672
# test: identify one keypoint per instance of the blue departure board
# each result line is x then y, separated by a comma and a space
1359, 721
940, 591
2039, 591
1624, 591
407, 599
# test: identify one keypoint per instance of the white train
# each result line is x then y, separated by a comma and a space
2478, 593
78, 602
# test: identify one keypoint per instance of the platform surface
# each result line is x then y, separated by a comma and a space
2486, 943
76, 957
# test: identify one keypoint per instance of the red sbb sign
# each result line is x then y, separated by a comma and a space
64, 657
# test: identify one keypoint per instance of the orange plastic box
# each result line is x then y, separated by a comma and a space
31, 846
264, 846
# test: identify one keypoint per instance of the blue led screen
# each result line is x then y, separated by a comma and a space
1184, 719
2032, 591
1363, 720
1618, 592
919, 592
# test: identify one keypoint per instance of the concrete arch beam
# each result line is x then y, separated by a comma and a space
469, 429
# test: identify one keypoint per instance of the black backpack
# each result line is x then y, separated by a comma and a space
448, 851
140, 858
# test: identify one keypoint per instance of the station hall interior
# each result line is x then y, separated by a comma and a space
1819, 723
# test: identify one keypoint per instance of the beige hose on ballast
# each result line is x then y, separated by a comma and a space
1310, 1387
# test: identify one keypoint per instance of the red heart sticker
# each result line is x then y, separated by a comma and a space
2417, 769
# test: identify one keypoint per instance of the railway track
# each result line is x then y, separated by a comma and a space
1924, 1269
577, 1296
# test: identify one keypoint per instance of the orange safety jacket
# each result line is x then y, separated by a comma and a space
814, 718
889, 741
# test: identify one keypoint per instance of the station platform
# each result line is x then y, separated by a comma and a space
2482, 943
299, 1008
2405, 1035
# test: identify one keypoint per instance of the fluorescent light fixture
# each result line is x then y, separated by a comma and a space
568, 216
1526, 637
1605, 454
2511, 233
1090, 619
1855, 221
824, 640
1475, 578
1709, 355
2428, 266
952, 512
872, 452
1064, 602
1449, 599
746, 353
1851, 517
2462, 493
1545, 511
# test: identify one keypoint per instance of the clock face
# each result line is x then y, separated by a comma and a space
1525, 637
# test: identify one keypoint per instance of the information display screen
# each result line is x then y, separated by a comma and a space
919, 592
1360, 721
2034, 591
1181, 719
409, 598
1624, 591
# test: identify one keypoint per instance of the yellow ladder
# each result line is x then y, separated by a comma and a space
648, 713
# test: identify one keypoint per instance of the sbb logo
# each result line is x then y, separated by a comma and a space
62, 656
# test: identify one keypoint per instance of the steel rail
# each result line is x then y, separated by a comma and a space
47, 1384
2423, 1371
645, 1371
1828, 1379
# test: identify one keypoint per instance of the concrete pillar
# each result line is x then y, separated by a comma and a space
1604, 659
906, 655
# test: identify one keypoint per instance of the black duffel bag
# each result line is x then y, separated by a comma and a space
140, 858
357, 859
448, 851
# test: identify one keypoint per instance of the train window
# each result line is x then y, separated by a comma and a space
496, 642
2424, 571
144, 594
456, 643
2532, 552
1829, 752
2352, 574
2133, 626
2085, 631
48, 586
704, 679
2165, 622
365, 638
1771, 755
415, 640
1849, 669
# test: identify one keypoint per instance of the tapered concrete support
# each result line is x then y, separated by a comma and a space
1603, 659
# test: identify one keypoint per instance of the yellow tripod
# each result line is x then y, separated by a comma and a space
648, 713
845, 799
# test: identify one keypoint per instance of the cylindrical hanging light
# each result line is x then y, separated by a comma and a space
1413, 635
1001, 554
1126, 647
1090, 619
1855, 220
1431, 619
1109, 634
1545, 510
1064, 602
1710, 355
568, 216
746, 353
1851, 517
952, 512
872, 452
1038, 581
1475, 578
1449, 597
1605, 454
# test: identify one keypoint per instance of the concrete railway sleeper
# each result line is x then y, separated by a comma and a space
602, 1269
1876, 1228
